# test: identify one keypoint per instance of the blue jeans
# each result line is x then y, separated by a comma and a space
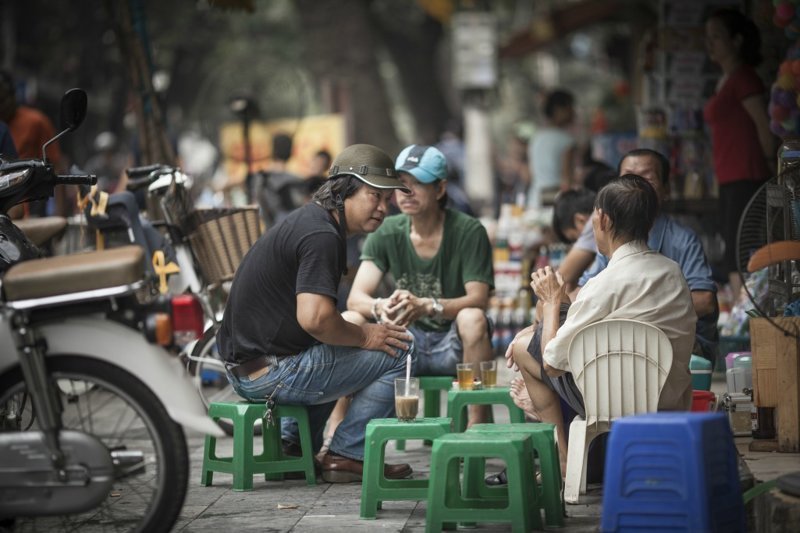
322, 374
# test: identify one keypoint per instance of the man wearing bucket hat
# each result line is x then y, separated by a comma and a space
282, 338
441, 262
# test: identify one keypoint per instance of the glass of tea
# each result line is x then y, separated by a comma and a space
466, 376
489, 373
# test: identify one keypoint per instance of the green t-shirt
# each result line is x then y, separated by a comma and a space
464, 255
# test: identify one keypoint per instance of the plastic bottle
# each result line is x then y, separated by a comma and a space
789, 156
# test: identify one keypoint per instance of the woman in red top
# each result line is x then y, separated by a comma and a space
743, 147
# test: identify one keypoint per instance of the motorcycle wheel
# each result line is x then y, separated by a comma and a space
208, 372
117, 408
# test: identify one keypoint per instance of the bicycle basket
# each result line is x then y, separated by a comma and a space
221, 238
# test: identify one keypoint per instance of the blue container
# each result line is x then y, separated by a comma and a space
672, 472
700, 367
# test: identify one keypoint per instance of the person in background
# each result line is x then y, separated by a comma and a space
320, 164
572, 214
677, 242
668, 237
638, 284
107, 163
282, 338
552, 151
744, 149
31, 129
278, 191
7, 149
441, 262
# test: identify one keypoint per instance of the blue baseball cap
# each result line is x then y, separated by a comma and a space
425, 163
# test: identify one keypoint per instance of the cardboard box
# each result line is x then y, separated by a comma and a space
776, 369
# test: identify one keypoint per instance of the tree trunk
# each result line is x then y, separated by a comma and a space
415, 53
340, 49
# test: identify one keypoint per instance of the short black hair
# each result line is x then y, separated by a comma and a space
598, 175
663, 162
566, 206
325, 195
631, 204
557, 98
281, 147
737, 23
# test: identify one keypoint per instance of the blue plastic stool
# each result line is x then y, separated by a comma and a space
672, 471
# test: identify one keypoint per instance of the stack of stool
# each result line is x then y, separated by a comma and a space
458, 400
431, 388
544, 446
674, 471
271, 462
447, 504
375, 488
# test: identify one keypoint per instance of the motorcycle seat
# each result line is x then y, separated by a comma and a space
41, 230
67, 274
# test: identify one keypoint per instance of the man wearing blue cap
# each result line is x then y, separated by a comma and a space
441, 262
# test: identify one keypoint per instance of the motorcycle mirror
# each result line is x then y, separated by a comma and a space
73, 109
71, 115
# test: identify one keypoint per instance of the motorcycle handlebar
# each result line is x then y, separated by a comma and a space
76, 179
138, 172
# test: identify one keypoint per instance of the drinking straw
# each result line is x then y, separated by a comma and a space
408, 375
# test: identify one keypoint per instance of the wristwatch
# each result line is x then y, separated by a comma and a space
438, 309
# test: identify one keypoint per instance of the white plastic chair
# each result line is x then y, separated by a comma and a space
620, 367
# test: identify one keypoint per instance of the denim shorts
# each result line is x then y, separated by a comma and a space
563, 385
438, 352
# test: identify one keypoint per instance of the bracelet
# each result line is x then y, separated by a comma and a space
375, 316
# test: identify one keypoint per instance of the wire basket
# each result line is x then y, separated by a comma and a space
221, 238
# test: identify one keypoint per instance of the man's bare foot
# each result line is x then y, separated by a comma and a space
519, 393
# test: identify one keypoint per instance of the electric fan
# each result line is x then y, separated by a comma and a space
768, 248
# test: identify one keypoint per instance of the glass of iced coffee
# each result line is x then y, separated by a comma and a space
406, 398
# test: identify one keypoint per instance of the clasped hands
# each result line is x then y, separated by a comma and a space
402, 308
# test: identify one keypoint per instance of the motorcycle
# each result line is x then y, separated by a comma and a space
92, 394
169, 208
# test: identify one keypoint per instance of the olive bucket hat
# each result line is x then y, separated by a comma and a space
368, 163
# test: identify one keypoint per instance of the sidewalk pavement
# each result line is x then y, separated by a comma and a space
297, 507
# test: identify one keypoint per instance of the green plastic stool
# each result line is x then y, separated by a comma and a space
544, 444
458, 400
431, 387
447, 505
271, 462
375, 488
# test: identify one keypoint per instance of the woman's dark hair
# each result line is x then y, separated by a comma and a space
737, 23
325, 195
557, 98
566, 206
631, 204
663, 162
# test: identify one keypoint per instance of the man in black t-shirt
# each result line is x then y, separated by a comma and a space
282, 337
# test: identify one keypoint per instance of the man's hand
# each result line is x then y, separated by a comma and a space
548, 285
385, 338
404, 308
